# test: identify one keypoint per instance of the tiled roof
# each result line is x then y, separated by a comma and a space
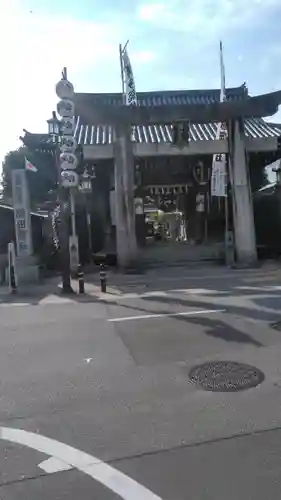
160, 98
88, 134
103, 134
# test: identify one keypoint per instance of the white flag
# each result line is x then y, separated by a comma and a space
218, 179
29, 166
130, 88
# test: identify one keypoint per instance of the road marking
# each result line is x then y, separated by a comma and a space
53, 464
267, 288
164, 315
12, 304
56, 299
124, 486
162, 293
200, 291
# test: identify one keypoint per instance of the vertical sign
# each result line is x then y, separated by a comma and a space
130, 88
218, 179
129, 81
21, 204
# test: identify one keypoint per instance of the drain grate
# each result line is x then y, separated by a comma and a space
226, 376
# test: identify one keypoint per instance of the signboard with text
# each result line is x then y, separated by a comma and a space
21, 205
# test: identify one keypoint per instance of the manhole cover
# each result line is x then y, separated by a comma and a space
226, 376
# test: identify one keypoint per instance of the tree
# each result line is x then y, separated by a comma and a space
41, 182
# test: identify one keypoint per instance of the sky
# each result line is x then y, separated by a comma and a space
174, 44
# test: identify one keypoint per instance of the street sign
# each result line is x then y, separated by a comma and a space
218, 179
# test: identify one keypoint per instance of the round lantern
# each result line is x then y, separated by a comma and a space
64, 89
67, 126
65, 108
68, 144
69, 179
68, 161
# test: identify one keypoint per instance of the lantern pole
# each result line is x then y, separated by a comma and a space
68, 177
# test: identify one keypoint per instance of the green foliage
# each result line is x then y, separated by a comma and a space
40, 182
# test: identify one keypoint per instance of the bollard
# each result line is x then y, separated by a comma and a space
102, 278
13, 283
81, 282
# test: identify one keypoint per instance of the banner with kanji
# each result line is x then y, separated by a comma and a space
218, 179
130, 88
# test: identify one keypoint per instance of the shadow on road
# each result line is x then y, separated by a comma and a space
213, 327
231, 309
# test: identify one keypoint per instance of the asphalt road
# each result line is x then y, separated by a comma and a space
107, 383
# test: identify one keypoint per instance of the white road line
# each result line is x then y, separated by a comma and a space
164, 315
124, 486
199, 291
13, 304
162, 293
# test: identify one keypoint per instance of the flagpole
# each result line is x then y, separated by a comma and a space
122, 71
228, 257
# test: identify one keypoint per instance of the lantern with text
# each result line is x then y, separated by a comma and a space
65, 108
68, 161
69, 179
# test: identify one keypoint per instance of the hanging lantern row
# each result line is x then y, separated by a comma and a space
65, 108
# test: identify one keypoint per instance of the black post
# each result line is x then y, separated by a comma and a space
102, 278
81, 281
13, 279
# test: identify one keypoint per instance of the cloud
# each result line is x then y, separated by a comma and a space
173, 44
143, 56
34, 50
152, 12
210, 18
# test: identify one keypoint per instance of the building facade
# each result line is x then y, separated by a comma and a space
164, 172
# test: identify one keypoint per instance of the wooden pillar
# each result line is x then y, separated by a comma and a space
124, 186
243, 219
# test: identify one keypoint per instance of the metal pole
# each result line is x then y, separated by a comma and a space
122, 70
226, 225
72, 212
228, 236
64, 233
89, 225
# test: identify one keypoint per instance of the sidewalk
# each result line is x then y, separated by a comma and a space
119, 284
196, 271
